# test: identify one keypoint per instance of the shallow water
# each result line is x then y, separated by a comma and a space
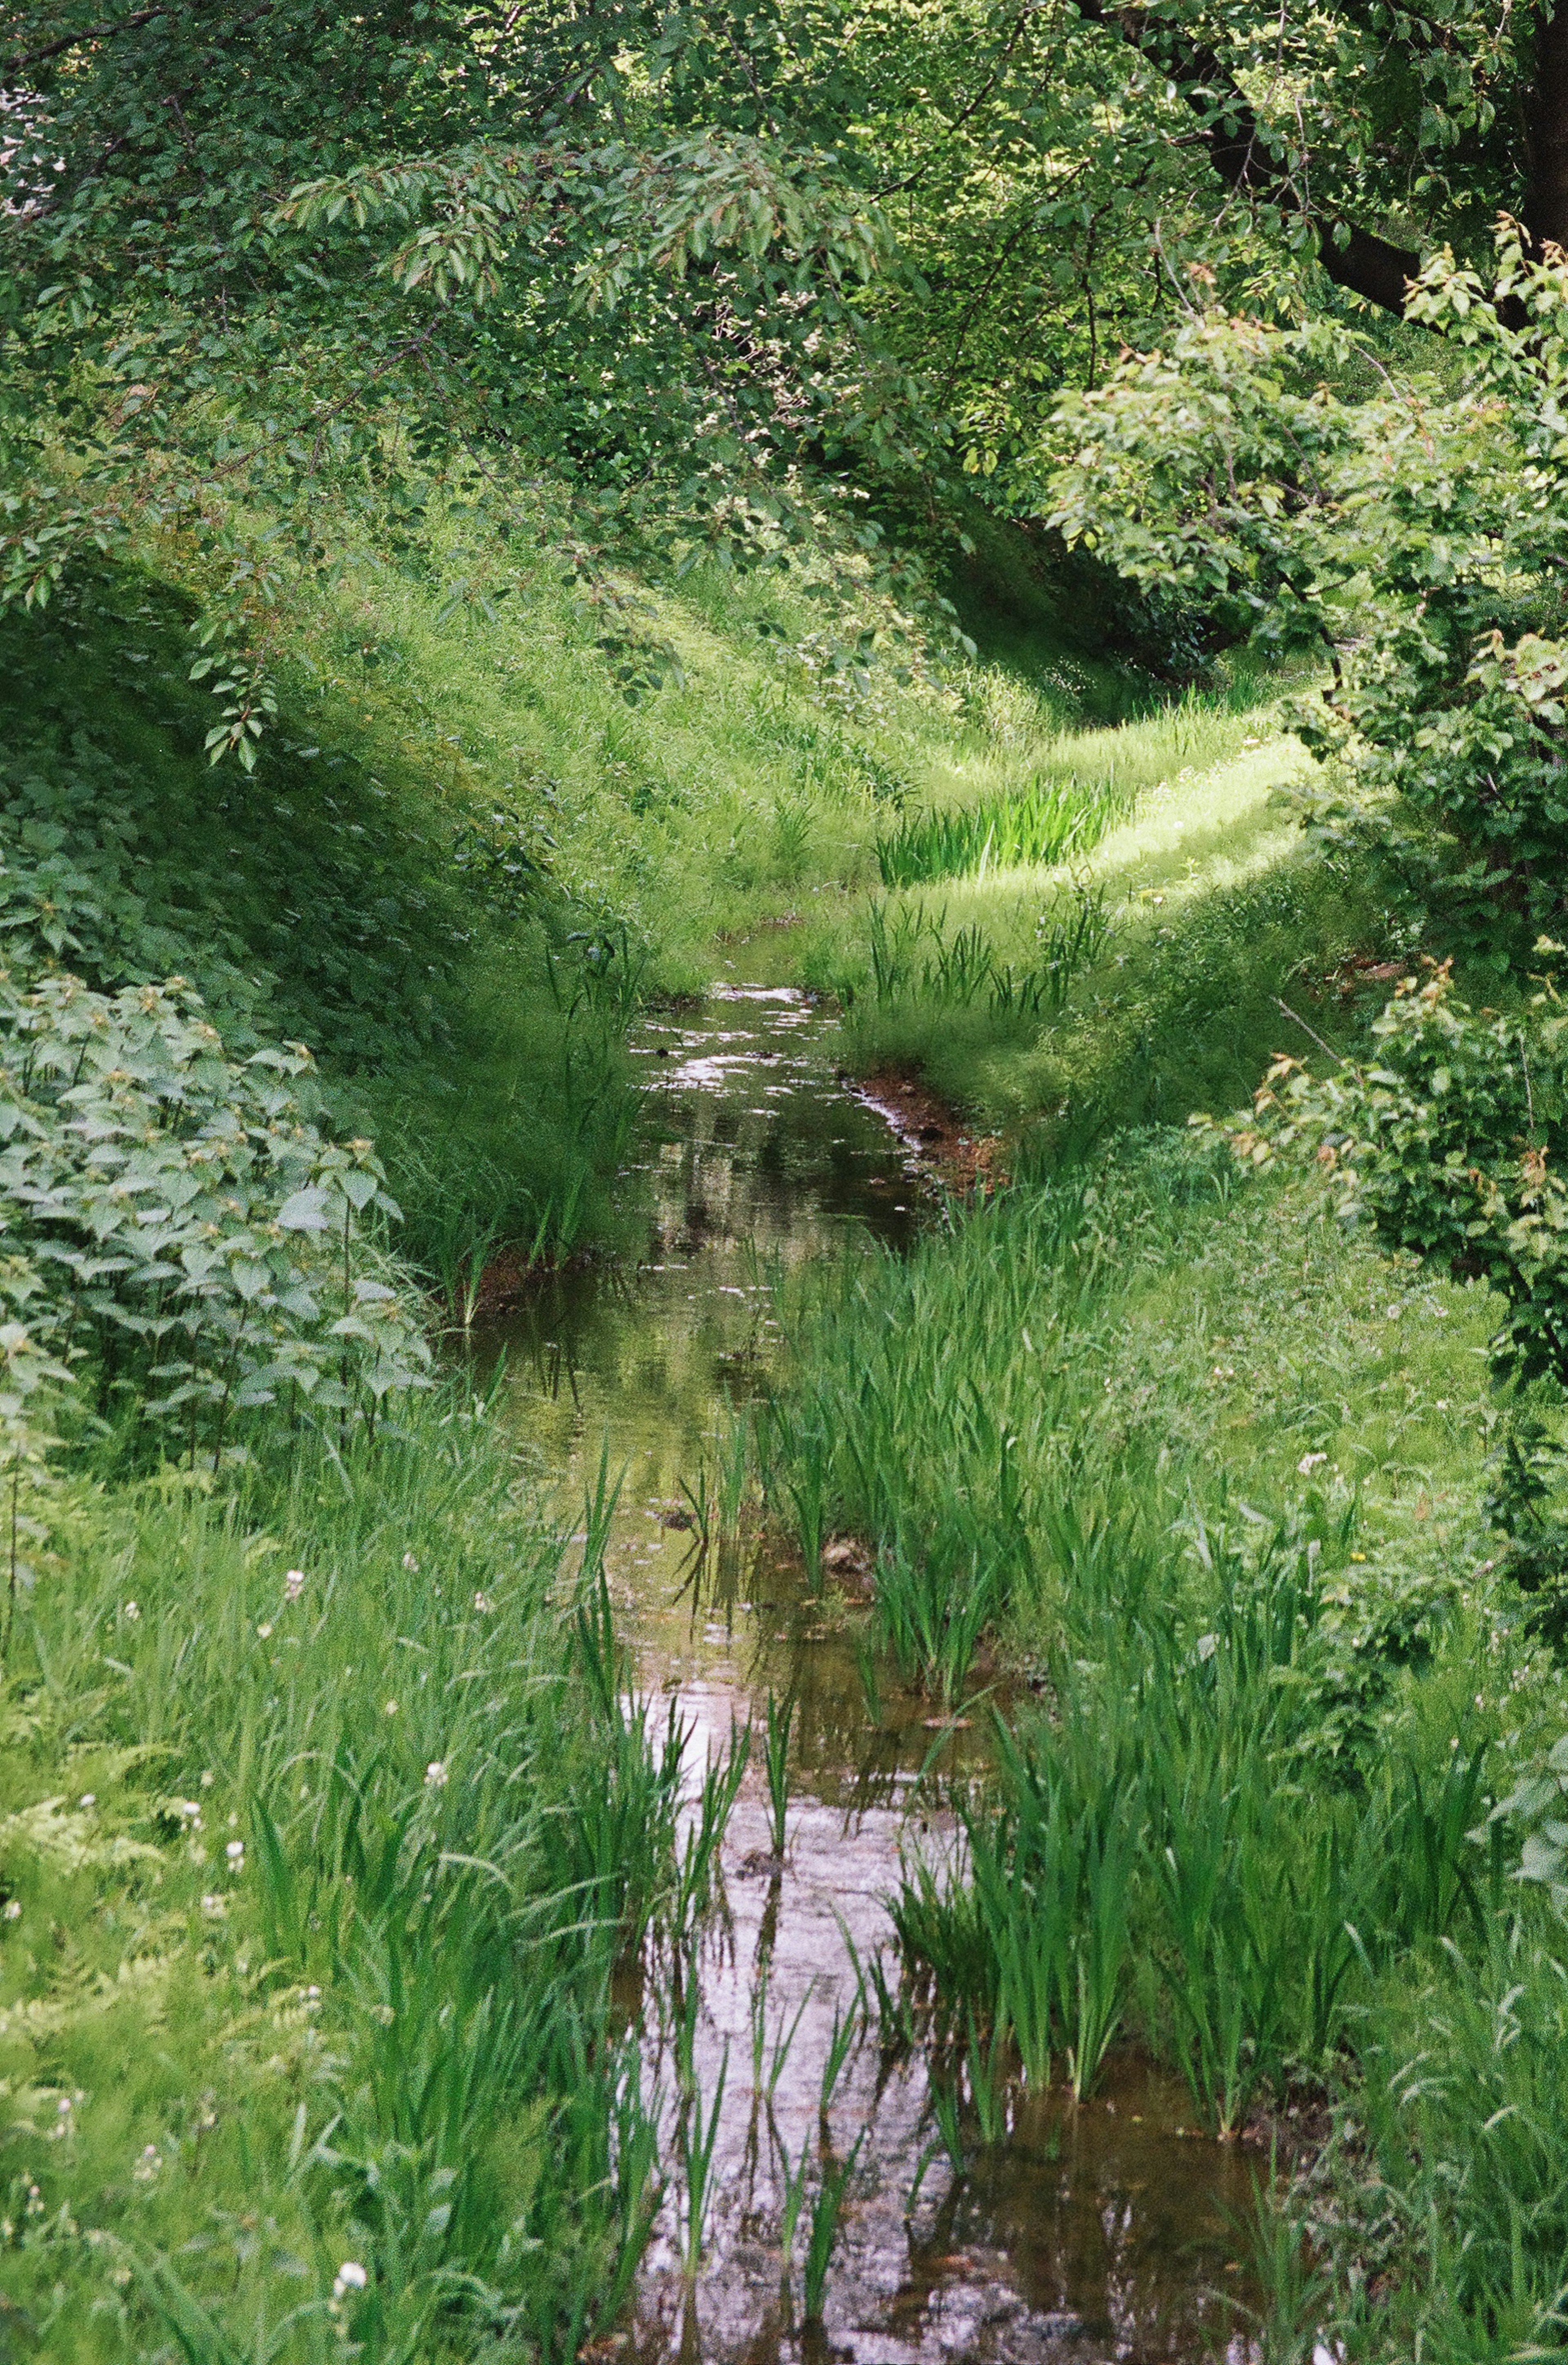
1078, 2233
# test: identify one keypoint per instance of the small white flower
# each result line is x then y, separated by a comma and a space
188, 1812
350, 2276
63, 2106
235, 1851
1309, 1462
208, 1778
410, 1564
391, 1709
131, 1613
88, 1798
13, 1909
214, 1908
294, 1584
435, 1774
263, 1631
483, 1604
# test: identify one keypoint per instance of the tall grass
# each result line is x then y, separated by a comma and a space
912, 957
1246, 1828
355, 1838
1044, 822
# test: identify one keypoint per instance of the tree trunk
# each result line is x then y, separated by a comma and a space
1545, 211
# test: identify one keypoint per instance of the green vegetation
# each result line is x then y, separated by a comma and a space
487, 498
1214, 1471
307, 2020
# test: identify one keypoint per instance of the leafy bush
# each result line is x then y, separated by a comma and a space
1447, 1145
205, 1249
1412, 536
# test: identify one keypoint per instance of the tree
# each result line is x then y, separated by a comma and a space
712, 266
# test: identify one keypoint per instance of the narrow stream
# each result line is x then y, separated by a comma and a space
1110, 2230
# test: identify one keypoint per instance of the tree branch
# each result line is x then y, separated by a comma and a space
1545, 209
20, 59
1368, 265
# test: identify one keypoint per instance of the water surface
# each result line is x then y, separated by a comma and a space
1106, 2231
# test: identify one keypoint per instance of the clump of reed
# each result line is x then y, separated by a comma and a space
914, 959
1086, 784
380, 1791
1045, 822
1154, 1862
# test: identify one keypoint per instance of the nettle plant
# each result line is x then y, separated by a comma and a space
1412, 534
194, 1243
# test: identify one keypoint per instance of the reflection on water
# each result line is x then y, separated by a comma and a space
1097, 2232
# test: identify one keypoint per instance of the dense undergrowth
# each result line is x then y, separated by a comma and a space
321, 1809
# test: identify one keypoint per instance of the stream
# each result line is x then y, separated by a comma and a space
1111, 2229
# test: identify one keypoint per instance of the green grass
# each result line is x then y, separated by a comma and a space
1206, 1473
315, 1884
1208, 906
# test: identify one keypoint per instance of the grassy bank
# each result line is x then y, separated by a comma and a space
1137, 978
1211, 1473
321, 1809
319, 1856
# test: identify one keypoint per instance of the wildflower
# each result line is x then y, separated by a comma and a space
1309, 1462
263, 1631
147, 2167
13, 1909
214, 1908
235, 1851
294, 1584
88, 1798
391, 1709
131, 1613
435, 1774
350, 2276
208, 1778
410, 1564
483, 1604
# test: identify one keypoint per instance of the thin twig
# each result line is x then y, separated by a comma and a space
1299, 1021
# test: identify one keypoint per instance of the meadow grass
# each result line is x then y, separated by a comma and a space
1207, 908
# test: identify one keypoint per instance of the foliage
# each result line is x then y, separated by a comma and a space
730, 271
1447, 1147
1539, 1804
204, 1245
1410, 532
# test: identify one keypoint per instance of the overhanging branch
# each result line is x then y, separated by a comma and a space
1242, 155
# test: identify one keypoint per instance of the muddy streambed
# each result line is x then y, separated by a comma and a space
1106, 2231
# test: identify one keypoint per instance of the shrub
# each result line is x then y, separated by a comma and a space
203, 1247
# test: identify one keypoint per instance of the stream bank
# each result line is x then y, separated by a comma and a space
1110, 2230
